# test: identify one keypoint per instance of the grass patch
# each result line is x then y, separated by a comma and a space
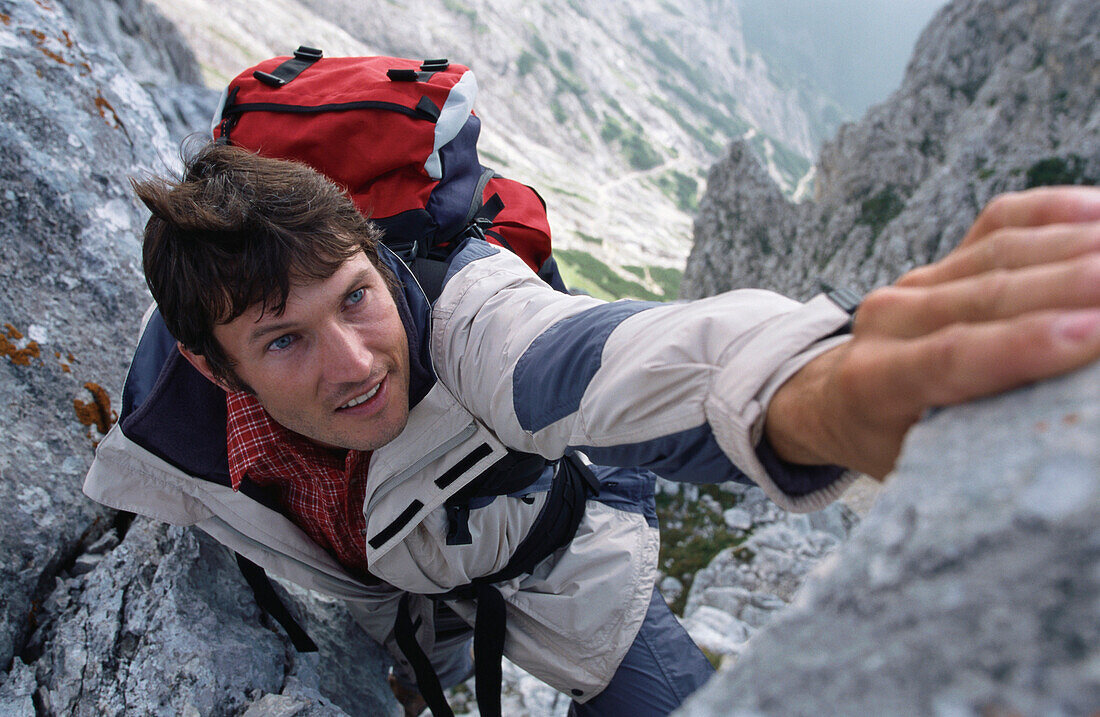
558, 111
526, 63
638, 271
459, 9
494, 158
681, 189
590, 239
668, 279
565, 57
583, 271
638, 153
880, 210
1054, 171
691, 535
539, 46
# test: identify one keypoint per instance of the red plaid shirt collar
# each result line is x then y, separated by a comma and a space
322, 491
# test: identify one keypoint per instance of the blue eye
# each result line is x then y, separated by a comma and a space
281, 343
356, 296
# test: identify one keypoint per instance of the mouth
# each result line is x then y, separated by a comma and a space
362, 398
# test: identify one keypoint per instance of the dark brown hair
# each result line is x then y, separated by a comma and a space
236, 231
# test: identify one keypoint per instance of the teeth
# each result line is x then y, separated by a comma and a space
365, 397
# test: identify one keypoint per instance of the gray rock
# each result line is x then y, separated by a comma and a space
146, 42
737, 519
969, 588
73, 125
166, 623
17, 691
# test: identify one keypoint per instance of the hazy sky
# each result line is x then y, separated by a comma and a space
856, 50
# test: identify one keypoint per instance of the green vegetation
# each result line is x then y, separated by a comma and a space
565, 57
639, 153
526, 63
880, 210
458, 8
590, 239
494, 158
581, 270
692, 534
681, 188
539, 46
668, 279
701, 136
558, 111
718, 115
638, 271
791, 163
1058, 170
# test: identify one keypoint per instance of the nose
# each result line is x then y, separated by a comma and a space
345, 356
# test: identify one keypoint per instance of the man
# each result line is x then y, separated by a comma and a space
313, 412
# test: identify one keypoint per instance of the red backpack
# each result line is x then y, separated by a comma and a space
400, 135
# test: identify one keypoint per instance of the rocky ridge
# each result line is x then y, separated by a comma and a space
98, 616
969, 587
1000, 95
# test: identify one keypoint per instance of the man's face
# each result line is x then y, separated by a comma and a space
334, 366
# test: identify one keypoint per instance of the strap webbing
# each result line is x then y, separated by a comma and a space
284, 73
269, 602
489, 628
426, 680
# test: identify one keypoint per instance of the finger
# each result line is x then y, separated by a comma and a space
962, 363
909, 312
1036, 207
1010, 248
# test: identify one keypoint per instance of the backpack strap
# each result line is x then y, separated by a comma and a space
303, 58
271, 604
555, 527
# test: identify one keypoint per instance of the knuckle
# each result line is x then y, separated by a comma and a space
992, 293
879, 305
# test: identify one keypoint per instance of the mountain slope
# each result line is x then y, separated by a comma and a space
613, 114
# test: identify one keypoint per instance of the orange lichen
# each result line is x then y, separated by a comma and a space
66, 38
97, 412
70, 357
1072, 419
6, 19
104, 107
18, 356
38, 35
65, 368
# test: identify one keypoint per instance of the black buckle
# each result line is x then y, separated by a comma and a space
308, 53
439, 65
269, 79
403, 75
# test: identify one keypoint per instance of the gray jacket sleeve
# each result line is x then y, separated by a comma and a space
680, 388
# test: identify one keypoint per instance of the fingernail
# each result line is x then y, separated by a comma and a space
1079, 326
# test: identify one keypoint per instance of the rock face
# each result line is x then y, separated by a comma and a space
95, 618
1000, 95
969, 588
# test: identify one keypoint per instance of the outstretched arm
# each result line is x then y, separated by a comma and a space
1017, 301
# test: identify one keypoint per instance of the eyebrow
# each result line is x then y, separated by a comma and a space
261, 332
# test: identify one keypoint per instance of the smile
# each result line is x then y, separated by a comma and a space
363, 398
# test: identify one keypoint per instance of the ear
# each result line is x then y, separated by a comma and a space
200, 364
